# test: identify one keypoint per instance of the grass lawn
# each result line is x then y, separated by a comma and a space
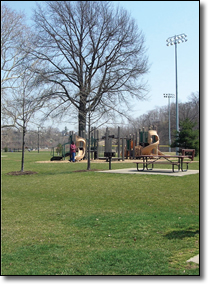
62, 222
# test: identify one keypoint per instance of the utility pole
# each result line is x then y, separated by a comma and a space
174, 40
169, 96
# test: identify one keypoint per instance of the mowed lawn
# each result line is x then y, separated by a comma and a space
62, 222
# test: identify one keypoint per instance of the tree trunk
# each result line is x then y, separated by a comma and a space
82, 116
23, 149
88, 144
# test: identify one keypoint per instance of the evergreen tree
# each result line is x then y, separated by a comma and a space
187, 138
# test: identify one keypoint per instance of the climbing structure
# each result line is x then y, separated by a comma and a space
150, 148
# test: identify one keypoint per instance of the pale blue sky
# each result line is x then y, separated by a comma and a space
159, 20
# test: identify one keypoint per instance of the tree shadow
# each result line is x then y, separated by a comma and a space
181, 234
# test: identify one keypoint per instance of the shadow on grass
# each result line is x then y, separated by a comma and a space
181, 234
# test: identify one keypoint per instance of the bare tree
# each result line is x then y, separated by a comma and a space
13, 34
21, 105
93, 54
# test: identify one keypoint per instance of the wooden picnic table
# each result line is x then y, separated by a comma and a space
164, 159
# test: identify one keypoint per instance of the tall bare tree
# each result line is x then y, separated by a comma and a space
93, 54
13, 34
21, 106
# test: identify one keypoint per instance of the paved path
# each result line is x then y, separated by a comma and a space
194, 259
153, 172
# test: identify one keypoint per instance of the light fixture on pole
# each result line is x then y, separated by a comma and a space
169, 96
174, 40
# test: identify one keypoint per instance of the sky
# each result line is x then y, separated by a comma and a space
159, 20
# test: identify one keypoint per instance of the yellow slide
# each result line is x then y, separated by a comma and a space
82, 149
152, 148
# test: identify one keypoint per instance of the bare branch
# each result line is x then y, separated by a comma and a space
92, 52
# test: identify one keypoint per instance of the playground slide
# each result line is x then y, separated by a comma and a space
152, 148
148, 150
82, 149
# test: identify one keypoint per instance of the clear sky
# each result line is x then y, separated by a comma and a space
160, 20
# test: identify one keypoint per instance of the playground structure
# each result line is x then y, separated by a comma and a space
152, 146
132, 146
144, 147
109, 147
80, 145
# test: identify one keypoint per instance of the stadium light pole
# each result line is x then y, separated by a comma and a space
169, 96
174, 40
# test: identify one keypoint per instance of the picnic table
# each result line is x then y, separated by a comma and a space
173, 160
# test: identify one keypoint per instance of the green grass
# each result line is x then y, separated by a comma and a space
61, 222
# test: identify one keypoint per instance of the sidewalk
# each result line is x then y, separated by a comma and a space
151, 172
194, 259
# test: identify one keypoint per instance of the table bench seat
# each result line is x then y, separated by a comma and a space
185, 162
191, 157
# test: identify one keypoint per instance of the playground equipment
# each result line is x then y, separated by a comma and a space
148, 144
132, 146
151, 148
81, 147
94, 139
109, 152
129, 147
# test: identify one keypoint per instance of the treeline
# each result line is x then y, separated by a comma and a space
44, 138
159, 118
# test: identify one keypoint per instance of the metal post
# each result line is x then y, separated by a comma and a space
118, 143
106, 140
38, 140
169, 126
133, 156
123, 148
176, 91
110, 163
129, 150
170, 41
88, 145
97, 144
169, 96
